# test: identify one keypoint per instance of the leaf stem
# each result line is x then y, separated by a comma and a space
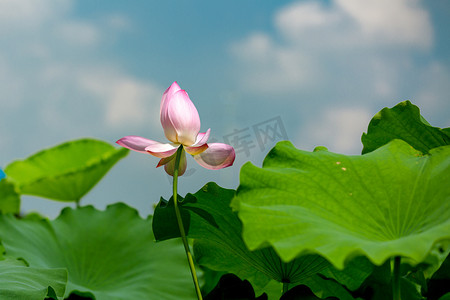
285, 287
396, 295
180, 223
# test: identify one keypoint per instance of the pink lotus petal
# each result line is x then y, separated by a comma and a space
135, 143
169, 130
200, 143
202, 138
170, 166
196, 150
217, 156
180, 115
173, 88
165, 160
161, 150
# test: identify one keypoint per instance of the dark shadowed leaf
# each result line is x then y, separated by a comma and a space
218, 245
445, 297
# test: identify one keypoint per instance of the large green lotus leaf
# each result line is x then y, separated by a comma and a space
21, 282
217, 230
110, 254
403, 122
446, 131
9, 198
392, 201
65, 172
445, 297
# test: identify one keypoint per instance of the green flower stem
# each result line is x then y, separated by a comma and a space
180, 223
396, 279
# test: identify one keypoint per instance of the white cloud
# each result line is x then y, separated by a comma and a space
30, 14
380, 23
117, 21
272, 68
51, 67
256, 48
433, 94
11, 90
338, 41
299, 18
79, 34
338, 129
392, 22
128, 101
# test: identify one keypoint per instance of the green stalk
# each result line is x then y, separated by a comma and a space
285, 287
396, 295
180, 223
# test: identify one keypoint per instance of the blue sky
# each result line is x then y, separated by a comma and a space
322, 69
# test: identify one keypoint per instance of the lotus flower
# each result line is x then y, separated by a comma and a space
2, 174
181, 124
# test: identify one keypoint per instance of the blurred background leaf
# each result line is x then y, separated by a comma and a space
9, 198
21, 282
65, 172
110, 254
